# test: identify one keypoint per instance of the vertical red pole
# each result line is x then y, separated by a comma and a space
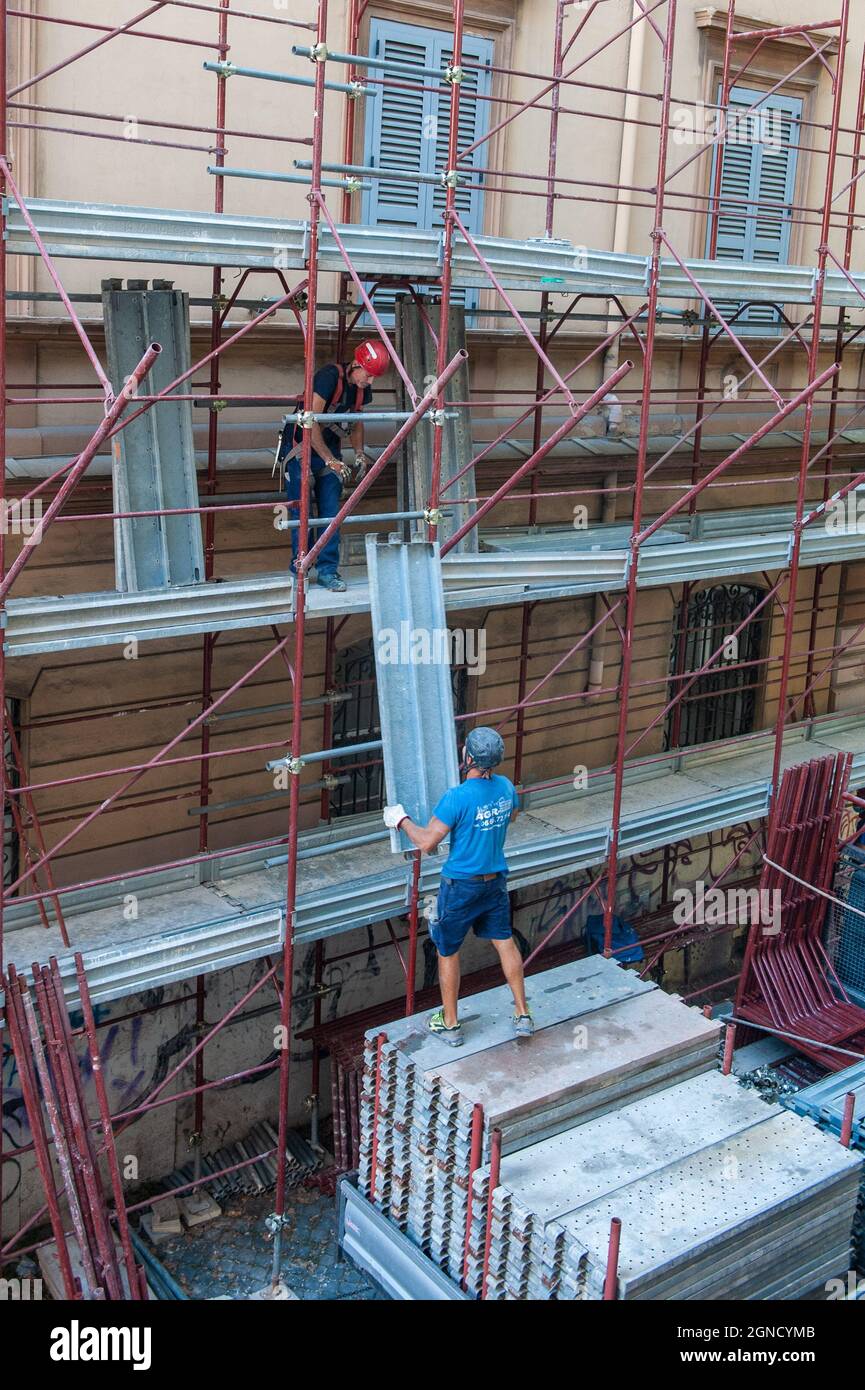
495, 1171
413, 914
611, 1279
132, 1274
299, 640
847, 1120
213, 429
477, 1136
376, 1106
642, 453
729, 1045
210, 638
442, 349
4, 20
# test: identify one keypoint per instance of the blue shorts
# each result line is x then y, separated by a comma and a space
466, 903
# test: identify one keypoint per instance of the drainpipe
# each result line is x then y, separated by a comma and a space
621, 237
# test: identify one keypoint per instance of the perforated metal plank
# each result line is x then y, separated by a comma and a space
154, 455
413, 676
564, 1173
688, 1208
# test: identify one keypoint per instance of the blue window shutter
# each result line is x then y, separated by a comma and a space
408, 130
398, 120
758, 177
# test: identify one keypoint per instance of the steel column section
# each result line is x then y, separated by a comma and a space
642, 458
154, 457
414, 686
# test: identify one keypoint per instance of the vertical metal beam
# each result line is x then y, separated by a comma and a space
642, 457
301, 581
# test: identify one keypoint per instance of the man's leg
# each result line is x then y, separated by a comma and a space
449, 984
512, 965
328, 491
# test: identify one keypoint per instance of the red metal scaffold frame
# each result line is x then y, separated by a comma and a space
659, 19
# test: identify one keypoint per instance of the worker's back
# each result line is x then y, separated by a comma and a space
478, 813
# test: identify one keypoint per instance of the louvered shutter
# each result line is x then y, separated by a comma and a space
758, 178
397, 125
407, 129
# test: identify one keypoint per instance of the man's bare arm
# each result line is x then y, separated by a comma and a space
318, 444
426, 838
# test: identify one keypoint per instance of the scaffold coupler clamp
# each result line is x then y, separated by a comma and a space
453, 73
436, 417
356, 89
274, 1223
224, 69
318, 53
450, 178
433, 516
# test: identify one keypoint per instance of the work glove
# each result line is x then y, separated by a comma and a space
393, 815
361, 464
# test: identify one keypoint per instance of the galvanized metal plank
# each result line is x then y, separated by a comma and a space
111, 232
154, 455
413, 674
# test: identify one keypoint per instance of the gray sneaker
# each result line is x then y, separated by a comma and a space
452, 1036
524, 1025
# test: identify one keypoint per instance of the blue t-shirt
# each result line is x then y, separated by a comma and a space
478, 812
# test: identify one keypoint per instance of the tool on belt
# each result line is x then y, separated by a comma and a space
287, 449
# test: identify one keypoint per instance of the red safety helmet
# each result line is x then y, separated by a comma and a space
372, 356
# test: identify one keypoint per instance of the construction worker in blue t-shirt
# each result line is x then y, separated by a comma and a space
341, 389
474, 888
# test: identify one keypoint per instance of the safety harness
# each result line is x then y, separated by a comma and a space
287, 449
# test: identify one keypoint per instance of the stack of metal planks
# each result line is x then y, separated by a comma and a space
603, 1038
719, 1195
823, 1103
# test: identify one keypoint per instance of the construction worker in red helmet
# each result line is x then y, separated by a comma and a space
338, 388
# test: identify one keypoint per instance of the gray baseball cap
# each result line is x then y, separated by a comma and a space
485, 747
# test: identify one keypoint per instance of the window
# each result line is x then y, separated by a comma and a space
758, 177
356, 720
723, 702
407, 129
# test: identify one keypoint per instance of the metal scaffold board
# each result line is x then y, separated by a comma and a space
411, 642
154, 455
94, 231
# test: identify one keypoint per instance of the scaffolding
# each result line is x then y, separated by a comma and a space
369, 261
